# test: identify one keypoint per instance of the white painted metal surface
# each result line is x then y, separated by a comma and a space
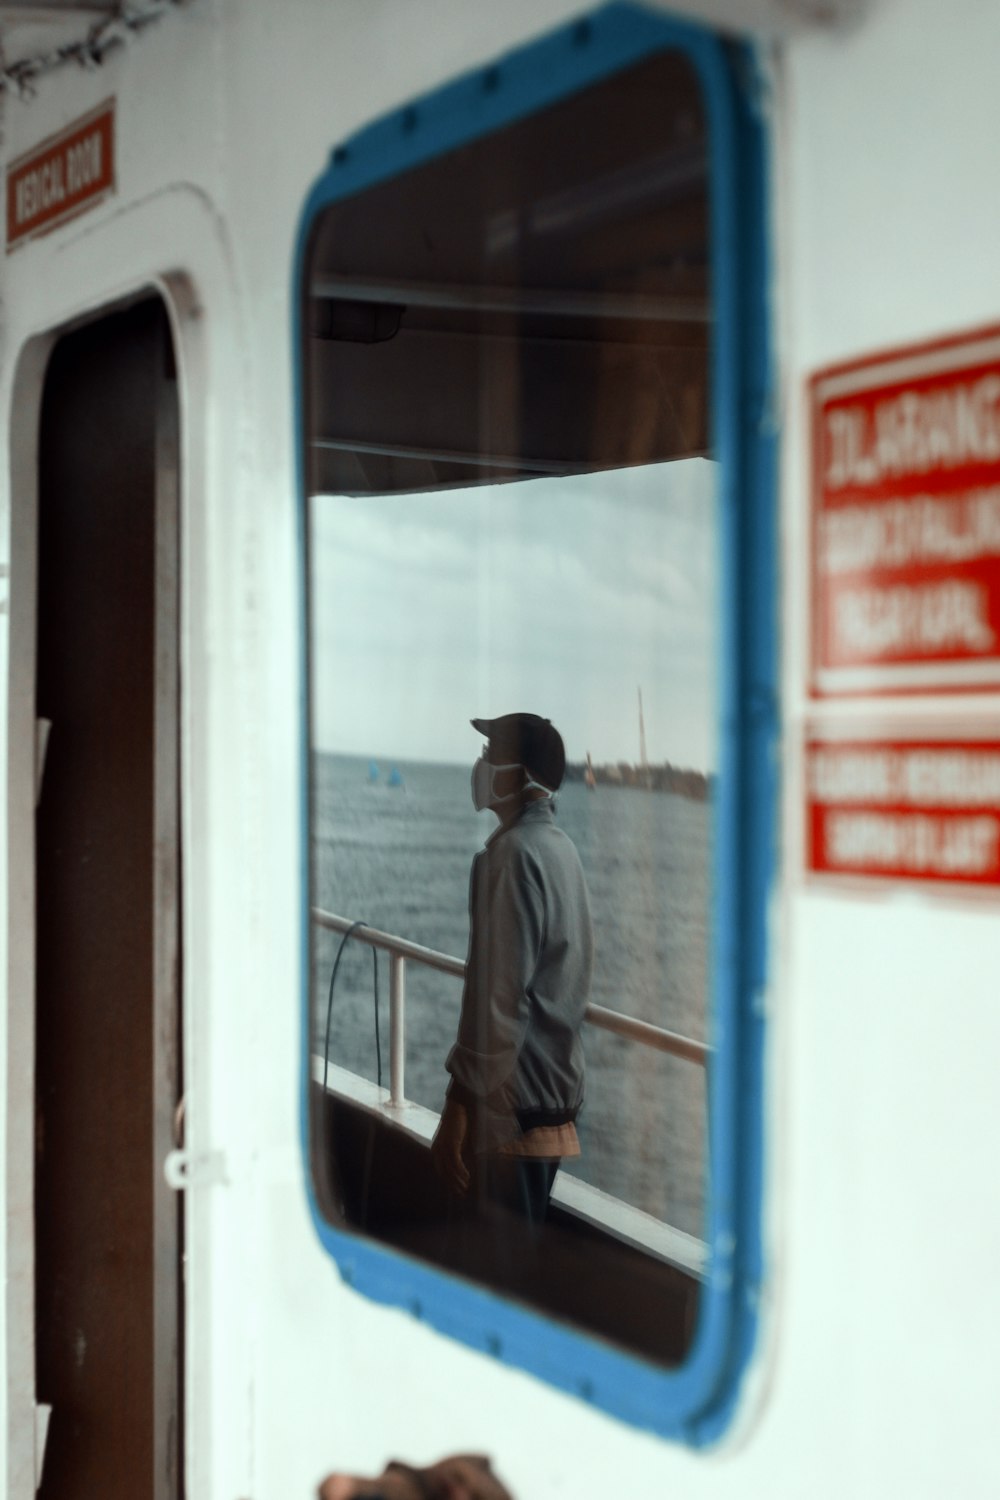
39, 37
874, 1374
397, 1029
43, 1415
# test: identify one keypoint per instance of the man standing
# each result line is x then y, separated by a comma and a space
517, 1071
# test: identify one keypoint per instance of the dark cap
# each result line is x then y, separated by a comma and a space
526, 740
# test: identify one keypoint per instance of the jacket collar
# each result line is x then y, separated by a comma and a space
541, 810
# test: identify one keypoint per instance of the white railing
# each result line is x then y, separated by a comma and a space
401, 949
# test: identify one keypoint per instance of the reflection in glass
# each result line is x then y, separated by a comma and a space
563, 597
512, 508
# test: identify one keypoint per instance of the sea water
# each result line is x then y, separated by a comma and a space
398, 858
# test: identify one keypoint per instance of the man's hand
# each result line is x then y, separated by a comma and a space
446, 1147
467, 1476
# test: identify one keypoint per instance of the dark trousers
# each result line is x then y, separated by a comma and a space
518, 1185
494, 1233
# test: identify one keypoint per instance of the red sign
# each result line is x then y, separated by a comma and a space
904, 810
65, 175
906, 520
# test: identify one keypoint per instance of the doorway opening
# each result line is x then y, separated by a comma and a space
108, 1084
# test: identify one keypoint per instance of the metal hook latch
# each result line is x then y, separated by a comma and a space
186, 1169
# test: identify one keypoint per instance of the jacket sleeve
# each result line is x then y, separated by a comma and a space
506, 920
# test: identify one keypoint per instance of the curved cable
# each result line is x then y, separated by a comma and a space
329, 1006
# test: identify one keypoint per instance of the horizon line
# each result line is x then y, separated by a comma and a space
466, 762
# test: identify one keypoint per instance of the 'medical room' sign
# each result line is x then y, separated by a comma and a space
906, 520
62, 177
912, 810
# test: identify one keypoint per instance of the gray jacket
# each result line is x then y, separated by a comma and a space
518, 1059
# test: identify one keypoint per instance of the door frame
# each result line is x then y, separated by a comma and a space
25, 1426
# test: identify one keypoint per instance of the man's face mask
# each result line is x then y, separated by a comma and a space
483, 774
483, 794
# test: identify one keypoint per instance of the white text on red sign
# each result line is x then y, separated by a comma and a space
906, 521
63, 177
905, 811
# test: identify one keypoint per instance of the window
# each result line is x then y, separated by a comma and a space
521, 454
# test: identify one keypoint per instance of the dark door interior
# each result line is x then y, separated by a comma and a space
107, 1230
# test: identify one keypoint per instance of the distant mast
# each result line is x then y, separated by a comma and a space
589, 779
643, 758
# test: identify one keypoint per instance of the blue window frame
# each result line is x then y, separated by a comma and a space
695, 1401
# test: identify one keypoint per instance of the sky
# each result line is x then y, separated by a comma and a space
556, 596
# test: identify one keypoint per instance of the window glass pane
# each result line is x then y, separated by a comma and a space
512, 509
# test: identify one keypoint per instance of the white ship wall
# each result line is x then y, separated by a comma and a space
889, 1210
882, 1308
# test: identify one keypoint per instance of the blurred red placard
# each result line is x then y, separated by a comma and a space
61, 177
904, 810
905, 548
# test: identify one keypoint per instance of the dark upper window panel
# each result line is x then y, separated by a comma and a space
536, 302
